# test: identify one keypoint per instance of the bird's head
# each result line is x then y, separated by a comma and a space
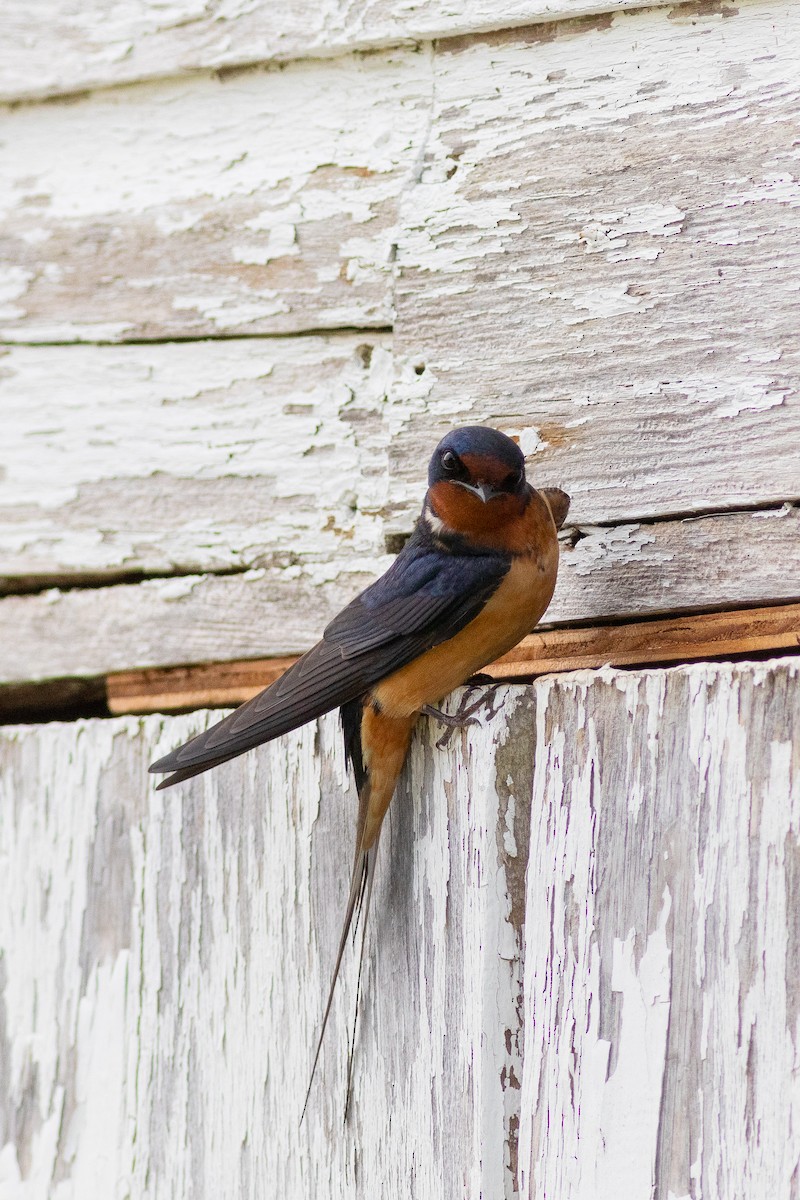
476, 482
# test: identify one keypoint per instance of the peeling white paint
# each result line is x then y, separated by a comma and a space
282, 608
629, 1115
600, 302
90, 45
619, 545
210, 455
181, 951
206, 205
585, 172
660, 1056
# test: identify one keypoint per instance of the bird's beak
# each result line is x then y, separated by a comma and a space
484, 490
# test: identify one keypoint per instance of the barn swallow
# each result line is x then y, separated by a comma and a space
476, 575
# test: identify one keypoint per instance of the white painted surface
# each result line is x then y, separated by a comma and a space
165, 955
662, 940
735, 560
276, 459
564, 205
596, 249
602, 250
78, 44
195, 457
249, 453
165, 958
265, 202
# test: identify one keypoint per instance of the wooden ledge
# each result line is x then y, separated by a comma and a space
669, 639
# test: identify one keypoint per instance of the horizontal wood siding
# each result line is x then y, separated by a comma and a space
207, 456
747, 631
260, 204
76, 46
602, 253
581, 232
636, 571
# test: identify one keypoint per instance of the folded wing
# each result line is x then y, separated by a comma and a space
426, 597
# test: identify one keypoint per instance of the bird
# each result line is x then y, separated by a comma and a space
476, 575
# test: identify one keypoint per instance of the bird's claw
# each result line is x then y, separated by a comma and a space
463, 717
457, 720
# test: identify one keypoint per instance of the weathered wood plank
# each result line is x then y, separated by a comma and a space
262, 203
602, 252
235, 454
188, 458
661, 936
671, 639
165, 959
740, 559
180, 689
72, 46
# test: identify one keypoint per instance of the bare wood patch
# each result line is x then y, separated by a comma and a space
208, 685
671, 639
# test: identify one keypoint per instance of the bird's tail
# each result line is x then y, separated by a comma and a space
358, 902
376, 747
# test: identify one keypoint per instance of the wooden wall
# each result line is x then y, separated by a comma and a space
619, 1022
254, 260
241, 305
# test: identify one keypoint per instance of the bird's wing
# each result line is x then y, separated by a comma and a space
425, 597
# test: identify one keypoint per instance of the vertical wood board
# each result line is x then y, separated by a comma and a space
662, 941
165, 958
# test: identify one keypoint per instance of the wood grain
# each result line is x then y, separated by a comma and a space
671, 639
198, 457
158, 459
165, 959
176, 689
638, 571
76, 45
263, 203
704, 635
601, 254
661, 936
164, 956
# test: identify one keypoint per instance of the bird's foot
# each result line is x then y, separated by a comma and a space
463, 716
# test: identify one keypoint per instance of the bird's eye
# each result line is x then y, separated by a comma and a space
451, 463
513, 481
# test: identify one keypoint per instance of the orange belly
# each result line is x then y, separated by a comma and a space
511, 613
